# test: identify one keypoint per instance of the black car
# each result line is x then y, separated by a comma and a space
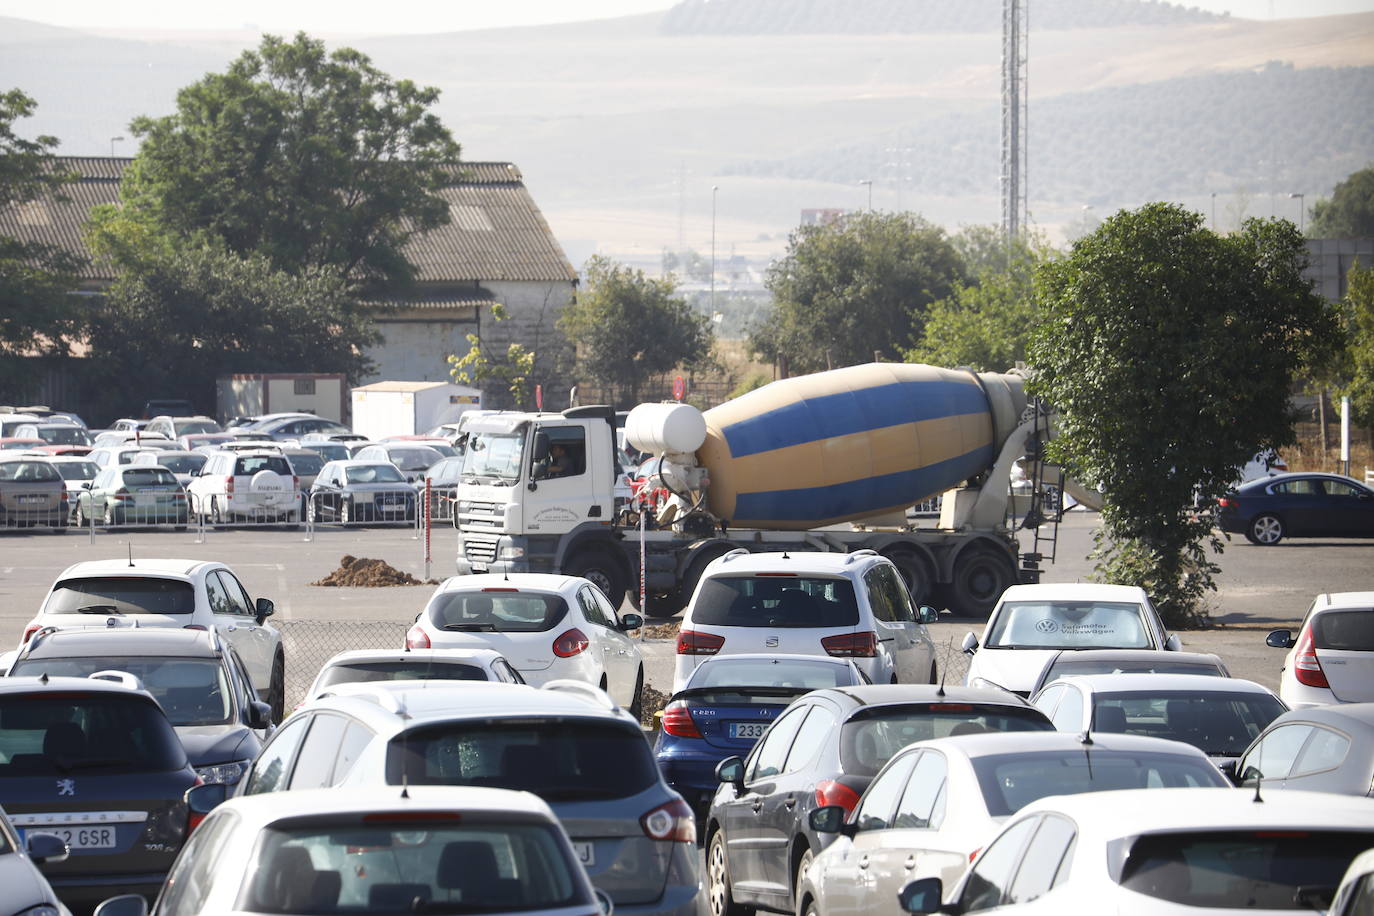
1270, 509
825, 750
95, 762
197, 678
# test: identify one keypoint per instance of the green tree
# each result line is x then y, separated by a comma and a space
512, 369
629, 328
850, 289
1359, 309
1349, 212
1169, 352
181, 321
309, 158
986, 324
38, 312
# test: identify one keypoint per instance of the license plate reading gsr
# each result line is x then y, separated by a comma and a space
81, 837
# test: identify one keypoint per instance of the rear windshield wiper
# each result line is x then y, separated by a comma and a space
100, 609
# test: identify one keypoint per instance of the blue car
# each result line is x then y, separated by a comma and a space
725, 707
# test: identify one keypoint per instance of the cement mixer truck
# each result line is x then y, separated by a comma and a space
826, 462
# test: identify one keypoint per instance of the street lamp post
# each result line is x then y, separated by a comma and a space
113, 141
1302, 208
714, 189
869, 182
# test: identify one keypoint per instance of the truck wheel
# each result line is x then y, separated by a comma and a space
980, 577
599, 566
916, 573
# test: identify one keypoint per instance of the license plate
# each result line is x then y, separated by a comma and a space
145, 499
79, 837
586, 852
32, 500
747, 729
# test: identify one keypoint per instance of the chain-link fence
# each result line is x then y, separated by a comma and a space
308, 644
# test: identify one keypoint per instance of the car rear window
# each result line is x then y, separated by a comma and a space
558, 759
183, 464
1344, 630
63, 435
1068, 666
1069, 625
85, 734
413, 459
764, 672
306, 465
29, 472
191, 691
1240, 869
875, 733
248, 465
121, 595
497, 611
374, 473
1009, 782
419, 862
1220, 723
77, 470
775, 601
149, 477
357, 672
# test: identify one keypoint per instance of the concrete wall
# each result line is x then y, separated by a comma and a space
1332, 260
416, 345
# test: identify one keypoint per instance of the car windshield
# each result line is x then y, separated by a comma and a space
63, 435
1240, 869
447, 451
306, 465
189, 427
356, 672
1069, 666
418, 862
874, 734
555, 758
495, 455
374, 473
1009, 782
77, 470
728, 673
775, 600
414, 458
183, 464
115, 595
1346, 631
29, 472
1069, 625
148, 477
1219, 723
497, 611
77, 733
191, 691
446, 472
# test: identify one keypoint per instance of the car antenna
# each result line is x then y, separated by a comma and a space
1257, 799
1087, 741
130, 545
44, 678
940, 691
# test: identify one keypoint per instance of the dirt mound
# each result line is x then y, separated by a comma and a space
360, 572
651, 703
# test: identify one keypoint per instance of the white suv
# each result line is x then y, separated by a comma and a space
256, 485
195, 594
851, 605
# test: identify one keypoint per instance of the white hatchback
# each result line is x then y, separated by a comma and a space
1332, 658
548, 627
367, 665
846, 605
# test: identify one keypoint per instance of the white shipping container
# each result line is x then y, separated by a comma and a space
385, 409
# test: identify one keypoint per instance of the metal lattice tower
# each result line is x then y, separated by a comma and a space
1015, 30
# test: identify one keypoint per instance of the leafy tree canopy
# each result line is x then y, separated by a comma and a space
1350, 211
629, 328
309, 158
1169, 352
1359, 306
850, 289
480, 364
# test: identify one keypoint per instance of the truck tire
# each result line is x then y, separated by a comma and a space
916, 573
603, 569
980, 577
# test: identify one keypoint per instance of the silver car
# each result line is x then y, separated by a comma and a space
1322, 748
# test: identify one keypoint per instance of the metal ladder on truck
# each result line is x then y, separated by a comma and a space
1046, 507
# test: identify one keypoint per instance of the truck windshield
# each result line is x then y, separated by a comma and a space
495, 455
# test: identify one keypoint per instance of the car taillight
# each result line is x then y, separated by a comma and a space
178, 497
417, 638
973, 855
192, 818
678, 721
229, 485
1226, 502
1306, 667
690, 642
29, 631
570, 643
195, 626
122, 493
673, 822
852, 645
832, 792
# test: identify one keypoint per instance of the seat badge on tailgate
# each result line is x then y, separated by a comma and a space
771, 642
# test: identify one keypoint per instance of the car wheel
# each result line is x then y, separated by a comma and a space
811, 908
216, 514
980, 578
276, 692
81, 520
636, 707
802, 865
109, 516
1265, 530
310, 512
598, 566
718, 896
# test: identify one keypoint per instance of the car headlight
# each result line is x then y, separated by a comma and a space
43, 909
512, 553
225, 773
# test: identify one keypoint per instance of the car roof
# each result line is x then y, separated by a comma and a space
1152, 655
896, 694
402, 705
268, 807
542, 582
138, 566
1122, 683
993, 744
360, 463
795, 561
1073, 591
1331, 714
1339, 600
1128, 812
80, 642
1260, 482
373, 655
22, 684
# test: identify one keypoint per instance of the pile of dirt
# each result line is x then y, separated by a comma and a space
360, 572
651, 702
662, 630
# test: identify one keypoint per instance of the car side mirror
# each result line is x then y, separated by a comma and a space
970, 643
265, 608
1173, 643
201, 800
927, 614
46, 848
923, 896
1279, 639
731, 770
87, 485
259, 715
1228, 769
123, 905
630, 622
603, 902
831, 819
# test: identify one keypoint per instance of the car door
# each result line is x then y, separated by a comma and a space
1301, 502
894, 622
272, 770
1318, 766
989, 880
1350, 508
620, 652
787, 807
231, 624
875, 817
564, 491
740, 815
261, 636
1271, 758
912, 846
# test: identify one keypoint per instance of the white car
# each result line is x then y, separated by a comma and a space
1161, 852
428, 849
183, 464
368, 665
847, 605
1332, 658
176, 427
1032, 623
1069, 662
1219, 716
547, 626
171, 593
256, 485
936, 803
1355, 896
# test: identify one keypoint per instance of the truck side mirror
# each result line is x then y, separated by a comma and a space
541, 447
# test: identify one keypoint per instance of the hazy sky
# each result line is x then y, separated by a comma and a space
409, 16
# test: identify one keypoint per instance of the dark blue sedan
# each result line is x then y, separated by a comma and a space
727, 705
1270, 509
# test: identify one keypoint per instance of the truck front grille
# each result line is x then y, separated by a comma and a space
479, 551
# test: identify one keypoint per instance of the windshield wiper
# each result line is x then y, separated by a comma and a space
100, 609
